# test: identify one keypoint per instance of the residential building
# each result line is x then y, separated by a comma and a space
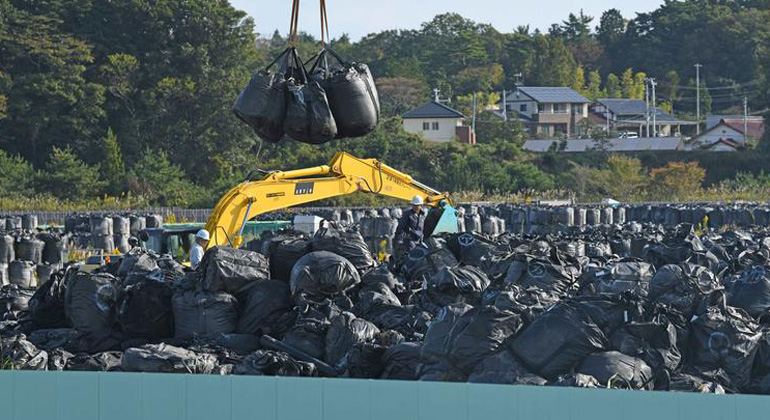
609, 145
631, 117
719, 138
436, 122
755, 125
548, 111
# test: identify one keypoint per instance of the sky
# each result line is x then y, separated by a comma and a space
358, 18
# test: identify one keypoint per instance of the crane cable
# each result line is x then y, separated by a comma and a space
325, 37
294, 26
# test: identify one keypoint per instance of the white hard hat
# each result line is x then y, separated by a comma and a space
417, 200
203, 234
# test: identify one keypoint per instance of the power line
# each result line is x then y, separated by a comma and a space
735, 86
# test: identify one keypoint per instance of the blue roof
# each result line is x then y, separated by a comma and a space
636, 109
433, 109
555, 95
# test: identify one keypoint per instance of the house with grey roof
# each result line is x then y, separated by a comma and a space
437, 122
631, 116
548, 111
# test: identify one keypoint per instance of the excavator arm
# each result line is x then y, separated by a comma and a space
345, 174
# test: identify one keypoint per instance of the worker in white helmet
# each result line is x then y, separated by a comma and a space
201, 242
411, 226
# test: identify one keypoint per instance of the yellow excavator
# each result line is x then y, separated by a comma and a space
345, 174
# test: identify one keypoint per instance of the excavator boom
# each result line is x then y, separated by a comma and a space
345, 174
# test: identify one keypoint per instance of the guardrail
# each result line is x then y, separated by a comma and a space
28, 395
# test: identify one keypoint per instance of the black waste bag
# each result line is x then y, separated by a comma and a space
14, 299
456, 285
551, 275
137, 261
261, 304
422, 263
655, 342
471, 248
617, 370
273, 363
345, 331
408, 320
752, 291
352, 95
51, 338
727, 338
22, 274
618, 277
164, 358
365, 360
479, 333
564, 335
380, 275
323, 273
19, 354
347, 244
53, 248
308, 335
401, 362
262, 104
29, 248
145, 310
204, 314
229, 270
90, 303
374, 302
284, 251
682, 286
436, 343
499, 368
308, 118
109, 361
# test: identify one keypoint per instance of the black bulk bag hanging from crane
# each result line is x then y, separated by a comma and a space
262, 104
349, 87
351, 92
308, 116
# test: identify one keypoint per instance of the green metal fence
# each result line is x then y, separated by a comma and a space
130, 396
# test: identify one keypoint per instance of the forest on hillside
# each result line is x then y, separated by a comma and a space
128, 103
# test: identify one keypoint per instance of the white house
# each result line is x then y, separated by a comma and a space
719, 138
434, 121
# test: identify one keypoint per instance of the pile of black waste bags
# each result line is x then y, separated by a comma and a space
332, 98
688, 311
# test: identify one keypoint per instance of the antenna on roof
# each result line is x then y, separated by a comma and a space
437, 95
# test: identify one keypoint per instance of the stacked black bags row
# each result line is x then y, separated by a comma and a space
333, 99
634, 307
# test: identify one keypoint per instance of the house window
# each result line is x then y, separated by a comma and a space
435, 126
523, 108
425, 126
541, 108
559, 108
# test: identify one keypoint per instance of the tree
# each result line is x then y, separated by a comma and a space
677, 180
670, 88
68, 178
16, 176
613, 87
579, 81
623, 178
628, 84
157, 179
398, 95
640, 79
611, 28
476, 79
112, 168
595, 86
490, 129
553, 63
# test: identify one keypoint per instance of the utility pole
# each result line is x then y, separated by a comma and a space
697, 89
505, 105
473, 124
653, 83
745, 119
647, 105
